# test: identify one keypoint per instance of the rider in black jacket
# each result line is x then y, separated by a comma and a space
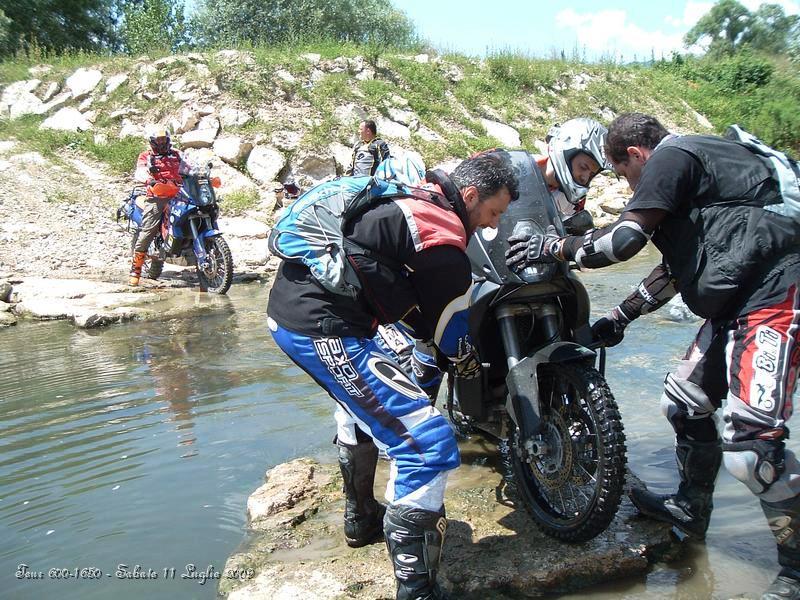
702, 201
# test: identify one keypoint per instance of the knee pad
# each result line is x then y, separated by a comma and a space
756, 463
688, 424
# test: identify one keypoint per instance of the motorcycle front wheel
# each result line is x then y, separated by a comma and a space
217, 276
570, 477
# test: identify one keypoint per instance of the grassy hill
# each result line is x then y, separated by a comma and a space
443, 102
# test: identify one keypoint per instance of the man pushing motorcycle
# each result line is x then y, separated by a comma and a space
160, 164
715, 209
412, 255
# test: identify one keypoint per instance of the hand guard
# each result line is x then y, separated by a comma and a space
468, 367
610, 329
526, 250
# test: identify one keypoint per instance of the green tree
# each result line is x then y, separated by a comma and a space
771, 29
730, 26
153, 26
58, 25
362, 21
6, 46
724, 24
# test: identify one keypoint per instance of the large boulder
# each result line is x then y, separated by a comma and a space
186, 121
507, 136
83, 82
67, 119
201, 137
391, 129
265, 163
342, 155
115, 81
234, 117
310, 168
18, 99
232, 149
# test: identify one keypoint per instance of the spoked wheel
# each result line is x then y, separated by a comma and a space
570, 477
217, 275
152, 266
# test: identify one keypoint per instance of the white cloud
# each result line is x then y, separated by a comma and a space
610, 32
692, 12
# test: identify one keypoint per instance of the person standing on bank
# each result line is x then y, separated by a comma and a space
701, 200
416, 258
368, 152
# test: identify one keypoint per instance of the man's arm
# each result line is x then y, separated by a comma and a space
142, 173
597, 248
652, 293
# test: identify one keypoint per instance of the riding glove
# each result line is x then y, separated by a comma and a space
610, 329
526, 250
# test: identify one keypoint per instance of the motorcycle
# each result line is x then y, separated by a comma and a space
189, 233
539, 393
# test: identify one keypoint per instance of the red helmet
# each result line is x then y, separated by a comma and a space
160, 141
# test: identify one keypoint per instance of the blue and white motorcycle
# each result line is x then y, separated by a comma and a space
189, 233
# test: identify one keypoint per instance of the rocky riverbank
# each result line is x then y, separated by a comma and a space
492, 550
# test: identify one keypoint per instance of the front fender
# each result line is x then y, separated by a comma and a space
209, 233
523, 382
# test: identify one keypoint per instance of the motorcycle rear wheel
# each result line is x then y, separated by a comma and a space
572, 483
217, 277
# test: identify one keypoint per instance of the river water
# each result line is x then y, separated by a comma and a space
129, 452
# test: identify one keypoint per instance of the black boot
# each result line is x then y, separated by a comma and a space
414, 539
690, 509
784, 520
363, 515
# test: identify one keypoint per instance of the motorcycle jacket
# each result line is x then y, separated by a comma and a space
167, 167
722, 241
427, 281
367, 156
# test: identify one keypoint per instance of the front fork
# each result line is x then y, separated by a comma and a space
198, 243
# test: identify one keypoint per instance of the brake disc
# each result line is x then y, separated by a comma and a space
553, 467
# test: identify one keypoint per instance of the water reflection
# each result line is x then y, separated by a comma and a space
96, 426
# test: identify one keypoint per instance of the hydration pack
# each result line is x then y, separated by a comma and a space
786, 169
311, 230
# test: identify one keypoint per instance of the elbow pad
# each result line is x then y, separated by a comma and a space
612, 244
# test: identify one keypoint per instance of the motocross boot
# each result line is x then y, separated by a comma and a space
784, 521
690, 508
414, 539
136, 267
363, 515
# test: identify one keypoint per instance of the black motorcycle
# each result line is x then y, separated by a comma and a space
559, 429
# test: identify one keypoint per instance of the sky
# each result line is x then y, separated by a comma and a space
592, 30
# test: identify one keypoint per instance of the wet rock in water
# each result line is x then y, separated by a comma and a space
676, 310
5, 291
7, 319
492, 550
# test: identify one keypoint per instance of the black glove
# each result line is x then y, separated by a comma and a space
610, 329
153, 170
526, 249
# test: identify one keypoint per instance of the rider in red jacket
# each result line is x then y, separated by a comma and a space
159, 164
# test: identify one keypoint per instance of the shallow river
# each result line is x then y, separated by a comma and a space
131, 450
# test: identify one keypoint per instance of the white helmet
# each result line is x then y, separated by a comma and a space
567, 140
407, 170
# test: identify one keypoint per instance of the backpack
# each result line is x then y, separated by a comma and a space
311, 230
786, 169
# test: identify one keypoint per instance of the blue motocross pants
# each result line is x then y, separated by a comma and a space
374, 393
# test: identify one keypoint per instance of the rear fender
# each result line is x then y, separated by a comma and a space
523, 382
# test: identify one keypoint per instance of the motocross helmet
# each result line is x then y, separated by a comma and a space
567, 140
160, 141
408, 170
